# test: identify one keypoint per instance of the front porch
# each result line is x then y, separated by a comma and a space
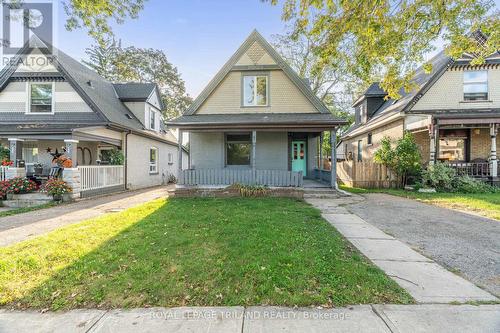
467, 145
32, 156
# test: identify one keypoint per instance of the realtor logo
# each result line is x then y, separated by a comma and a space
24, 18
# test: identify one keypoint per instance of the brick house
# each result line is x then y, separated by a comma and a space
454, 115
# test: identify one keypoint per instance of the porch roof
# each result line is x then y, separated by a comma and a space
298, 121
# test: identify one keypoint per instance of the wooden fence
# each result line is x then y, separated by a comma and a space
281, 178
366, 175
94, 177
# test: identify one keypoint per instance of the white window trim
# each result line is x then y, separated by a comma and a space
28, 102
155, 164
152, 111
476, 82
244, 104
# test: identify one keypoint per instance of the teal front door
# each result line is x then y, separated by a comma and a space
299, 157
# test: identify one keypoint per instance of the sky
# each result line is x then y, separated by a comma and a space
198, 36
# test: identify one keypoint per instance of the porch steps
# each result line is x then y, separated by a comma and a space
321, 193
27, 200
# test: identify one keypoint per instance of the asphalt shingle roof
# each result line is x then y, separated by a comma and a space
131, 91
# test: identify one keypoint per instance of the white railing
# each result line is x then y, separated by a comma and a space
196, 177
95, 177
3, 172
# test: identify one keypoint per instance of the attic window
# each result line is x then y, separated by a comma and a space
475, 85
255, 90
41, 97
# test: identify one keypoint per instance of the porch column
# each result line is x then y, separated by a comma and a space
16, 153
179, 154
432, 145
493, 155
72, 150
333, 142
254, 143
15, 147
320, 164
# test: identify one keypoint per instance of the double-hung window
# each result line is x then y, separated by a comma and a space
152, 119
475, 85
255, 90
153, 160
40, 97
238, 149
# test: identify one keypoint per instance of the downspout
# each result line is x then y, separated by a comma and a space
126, 159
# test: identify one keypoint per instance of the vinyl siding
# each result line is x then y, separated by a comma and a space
284, 97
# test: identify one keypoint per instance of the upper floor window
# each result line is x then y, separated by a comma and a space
255, 90
475, 85
152, 119
41, 98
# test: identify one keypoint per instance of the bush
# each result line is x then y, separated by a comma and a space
20, 185
466, 184
439, 176
116, 157
56, 187
251, 190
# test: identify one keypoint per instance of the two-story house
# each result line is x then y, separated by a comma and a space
50, 101
454, 115
256, 122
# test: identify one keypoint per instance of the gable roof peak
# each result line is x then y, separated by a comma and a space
255, 36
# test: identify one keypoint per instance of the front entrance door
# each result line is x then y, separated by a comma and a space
299, 157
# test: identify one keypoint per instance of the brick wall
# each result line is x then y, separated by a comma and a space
480, 144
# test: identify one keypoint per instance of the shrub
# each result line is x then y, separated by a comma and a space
4, 188
115, 157
404, 158
56, 187
466, 184
21, 185
4, 153
439, 176
171, 179
251, 190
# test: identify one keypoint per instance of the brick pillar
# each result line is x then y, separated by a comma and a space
493, 154
73, 178
72, 150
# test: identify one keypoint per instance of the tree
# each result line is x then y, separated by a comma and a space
389, 38
333, 86
95, 15
119, 64
404, 158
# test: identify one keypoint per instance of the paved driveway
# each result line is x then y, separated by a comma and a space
463, 243
17, 228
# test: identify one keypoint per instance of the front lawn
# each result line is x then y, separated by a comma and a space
485, 204
196, 252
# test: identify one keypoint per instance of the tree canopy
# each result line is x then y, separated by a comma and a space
387, 39
119, 64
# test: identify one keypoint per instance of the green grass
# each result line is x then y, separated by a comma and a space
26, 209
196, 252
484, 204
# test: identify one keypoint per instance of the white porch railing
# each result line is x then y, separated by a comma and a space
194, 177
95, 177
3, 172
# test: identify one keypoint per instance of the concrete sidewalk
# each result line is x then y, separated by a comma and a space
17, 228
425, 280
361, 318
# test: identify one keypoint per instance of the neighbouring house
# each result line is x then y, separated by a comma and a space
50, 101
256, 122
454, 115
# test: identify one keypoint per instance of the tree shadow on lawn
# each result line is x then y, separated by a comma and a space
208, 252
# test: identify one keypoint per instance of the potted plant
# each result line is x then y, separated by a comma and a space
7, 162
19, 185
59, 189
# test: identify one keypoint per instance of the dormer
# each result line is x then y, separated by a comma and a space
368, 103
144, 101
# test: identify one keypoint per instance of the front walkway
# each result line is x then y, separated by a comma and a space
17, 228
425, 280
360, 318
